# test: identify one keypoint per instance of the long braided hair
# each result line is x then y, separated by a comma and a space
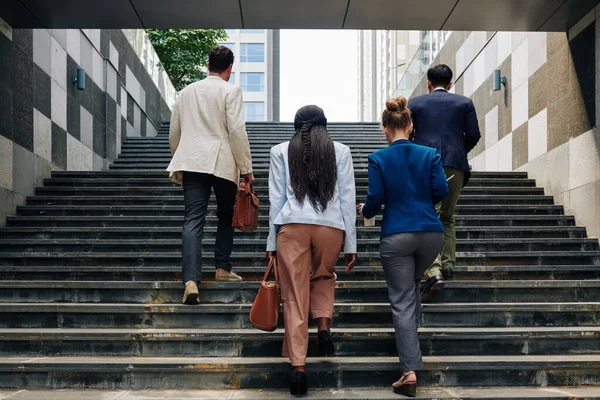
312, 163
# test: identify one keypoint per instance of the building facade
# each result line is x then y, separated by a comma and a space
256, 71
383, 57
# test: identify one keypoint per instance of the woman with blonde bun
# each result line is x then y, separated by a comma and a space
409, 180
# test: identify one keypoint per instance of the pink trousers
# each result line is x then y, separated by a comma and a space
307, 255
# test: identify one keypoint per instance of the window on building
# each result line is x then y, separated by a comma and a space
232, 78
254, 110
230, 45
252, 81
252, 52
230, 32
252, 31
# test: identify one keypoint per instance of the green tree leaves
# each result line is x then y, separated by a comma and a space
184, 52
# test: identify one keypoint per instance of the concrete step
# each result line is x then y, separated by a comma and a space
262, 191
156, 221
249, 245
427, 393
172, 232
259, 373
346, 315
120, 199
260, 182
258, 173
116, 206
349, 342
123, 272
365, 291
134, 258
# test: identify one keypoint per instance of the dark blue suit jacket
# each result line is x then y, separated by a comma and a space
448, 123
409, 180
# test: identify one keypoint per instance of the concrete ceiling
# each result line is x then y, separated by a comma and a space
483, 15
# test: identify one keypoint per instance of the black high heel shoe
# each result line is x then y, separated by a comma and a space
326, 345
299, 385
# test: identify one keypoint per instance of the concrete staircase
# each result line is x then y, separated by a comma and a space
90, 292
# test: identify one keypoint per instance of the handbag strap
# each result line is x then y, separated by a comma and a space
272, 266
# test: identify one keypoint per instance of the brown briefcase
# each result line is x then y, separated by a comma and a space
264, 313
245, 214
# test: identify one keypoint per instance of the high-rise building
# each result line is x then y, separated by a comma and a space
256, 71
383, 58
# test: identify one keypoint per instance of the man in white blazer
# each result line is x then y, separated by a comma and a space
210, 148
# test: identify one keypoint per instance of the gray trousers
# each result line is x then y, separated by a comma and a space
405, 257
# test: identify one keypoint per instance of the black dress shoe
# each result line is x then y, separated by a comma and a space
326, 345
431, 287
299, 384
448, 274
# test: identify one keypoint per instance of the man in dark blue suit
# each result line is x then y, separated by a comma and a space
448, 123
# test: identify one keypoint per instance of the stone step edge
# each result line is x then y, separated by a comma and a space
165, 334
235, 364
116, 308
261, 269
424, 393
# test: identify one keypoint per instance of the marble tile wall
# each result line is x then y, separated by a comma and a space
544, 122
47, 124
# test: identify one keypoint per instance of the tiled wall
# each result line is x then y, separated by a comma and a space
47, 124
544, 122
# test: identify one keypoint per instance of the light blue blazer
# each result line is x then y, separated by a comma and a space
285, 208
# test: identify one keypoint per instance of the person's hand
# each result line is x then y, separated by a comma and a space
271, 254
249, 178
360, 209
350, 261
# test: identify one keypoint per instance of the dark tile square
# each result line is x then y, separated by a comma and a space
119, 91
6, 54
143, 126
111, 112
42, 98
520, 146
123, 128
122, 68
111, 144
98, 98
73, 117
23, 39
21, 74
588, 95
582, 51
23, 122
72, 72
130, 108
85, 96
6, 113
99, 138
59, 146
104, 43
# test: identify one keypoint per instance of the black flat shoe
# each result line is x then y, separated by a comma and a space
299, 385
448, 274
432, 287
326, 345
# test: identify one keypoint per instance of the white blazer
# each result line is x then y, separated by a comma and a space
208, 132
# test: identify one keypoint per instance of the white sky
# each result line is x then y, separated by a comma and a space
319, 67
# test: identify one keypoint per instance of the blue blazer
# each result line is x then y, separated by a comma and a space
409, 180
448, 123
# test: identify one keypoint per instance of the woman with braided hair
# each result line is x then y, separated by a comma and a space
312, 218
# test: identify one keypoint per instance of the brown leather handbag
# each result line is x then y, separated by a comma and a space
245, 214
264, 313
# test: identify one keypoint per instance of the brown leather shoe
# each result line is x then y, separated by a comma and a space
191, 295
227, 276
406, 385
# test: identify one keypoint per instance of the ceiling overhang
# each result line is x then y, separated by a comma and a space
454, 15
